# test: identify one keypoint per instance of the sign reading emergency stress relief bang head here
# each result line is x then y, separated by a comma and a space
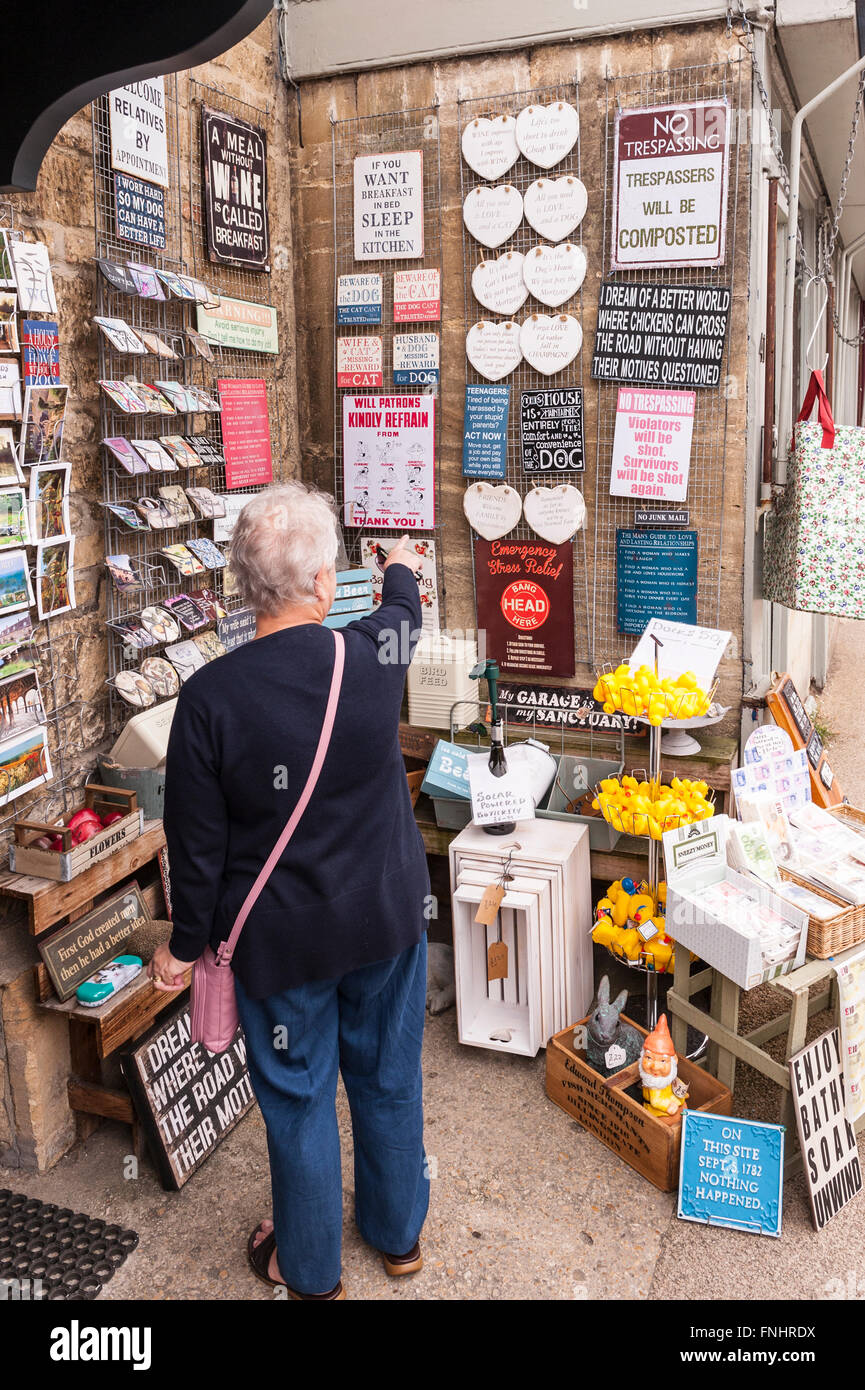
388, 206
670, 185
234, 160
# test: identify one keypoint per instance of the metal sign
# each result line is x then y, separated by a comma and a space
731, 1173
827, 1139
525, 602
563, 705
388, 206
551, 431
661, 335
187, 1099
237, 323
670, 180
139, 211
139, 133
234, 160
358, 299
656, 577
485, 431
652, 444
75, 952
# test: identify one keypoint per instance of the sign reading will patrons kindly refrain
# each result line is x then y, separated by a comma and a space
388, 206
670, 185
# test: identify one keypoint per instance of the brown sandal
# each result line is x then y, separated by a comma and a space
397, 1265
259, 1259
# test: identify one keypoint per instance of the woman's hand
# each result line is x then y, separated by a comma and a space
166, 971
401, 554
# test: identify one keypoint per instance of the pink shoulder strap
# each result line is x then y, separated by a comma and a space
226, 949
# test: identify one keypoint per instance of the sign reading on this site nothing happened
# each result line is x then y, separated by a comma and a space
670, 185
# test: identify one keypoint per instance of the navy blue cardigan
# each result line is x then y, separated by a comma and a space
350, 887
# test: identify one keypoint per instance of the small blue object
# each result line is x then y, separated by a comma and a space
108, 981
731, 1173
485, 431
629, 885
447, 774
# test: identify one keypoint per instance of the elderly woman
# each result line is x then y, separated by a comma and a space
330, 968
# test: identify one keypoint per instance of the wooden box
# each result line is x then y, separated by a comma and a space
649, 1143
26, 858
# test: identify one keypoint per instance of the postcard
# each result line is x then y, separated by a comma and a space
126, 454
7, 277
185, 657
55, 577
121, 337
158, 460
209, 645
157, 346
205, 502
42, 423
208, 452
21, 705
177, 503
118, 277
177, 394
40, 352
146, 280
10, 390
154, 512
128, 515
32, 270
133, 633
177, 285
8, 321
200, 346
156, 403
183, 560
209, 554
127, 579
24, 763
186, 611
16, 591
14, 528
180, 451
202, 400
49, 500
15, 630
125, 395
10, 471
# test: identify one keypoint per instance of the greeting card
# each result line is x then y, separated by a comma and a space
32, 270
126, 454
40, 352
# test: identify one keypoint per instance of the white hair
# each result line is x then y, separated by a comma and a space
281, 540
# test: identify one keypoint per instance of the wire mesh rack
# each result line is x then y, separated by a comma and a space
525, 377
170, 319
705, 501
415, 128
53, 709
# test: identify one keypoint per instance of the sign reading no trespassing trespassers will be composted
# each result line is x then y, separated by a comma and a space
670, 185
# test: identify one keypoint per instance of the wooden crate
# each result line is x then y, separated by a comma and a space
649, 1143
26, 858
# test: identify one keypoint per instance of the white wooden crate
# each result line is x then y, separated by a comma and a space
488, 1006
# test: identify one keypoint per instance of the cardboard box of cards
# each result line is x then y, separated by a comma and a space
730, 920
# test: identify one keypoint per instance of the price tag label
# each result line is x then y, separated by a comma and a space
497, 962
489, 905
615, 1057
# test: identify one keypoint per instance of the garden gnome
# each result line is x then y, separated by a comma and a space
663, 1093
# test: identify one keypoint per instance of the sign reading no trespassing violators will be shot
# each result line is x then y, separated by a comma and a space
670, 185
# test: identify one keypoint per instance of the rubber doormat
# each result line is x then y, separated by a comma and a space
54, 1252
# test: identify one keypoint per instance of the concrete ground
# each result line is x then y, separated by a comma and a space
525, 1204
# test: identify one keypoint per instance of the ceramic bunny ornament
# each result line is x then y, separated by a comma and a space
611, 1044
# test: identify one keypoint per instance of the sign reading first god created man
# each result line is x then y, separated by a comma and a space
670, 185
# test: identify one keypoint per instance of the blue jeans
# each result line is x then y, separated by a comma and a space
368, 1025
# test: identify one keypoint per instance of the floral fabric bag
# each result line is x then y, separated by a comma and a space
815, 538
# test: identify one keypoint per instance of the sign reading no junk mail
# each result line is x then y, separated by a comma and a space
235, 190
670, 185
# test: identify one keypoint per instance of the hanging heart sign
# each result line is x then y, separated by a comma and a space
549, 344
492, 511
493, 348
490, 146
555, 513
493, 214
554, 207
554, 273
545, 134
500, 285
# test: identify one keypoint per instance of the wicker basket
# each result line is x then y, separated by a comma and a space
835, 934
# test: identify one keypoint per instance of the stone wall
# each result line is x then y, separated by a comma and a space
36, 1125
421, 85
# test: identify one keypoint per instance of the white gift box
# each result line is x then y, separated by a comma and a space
750, 944
505, 1007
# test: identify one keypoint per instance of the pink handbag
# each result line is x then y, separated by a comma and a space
213, 1012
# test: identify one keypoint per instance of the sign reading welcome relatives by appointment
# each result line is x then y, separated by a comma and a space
138, 131
670, 184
